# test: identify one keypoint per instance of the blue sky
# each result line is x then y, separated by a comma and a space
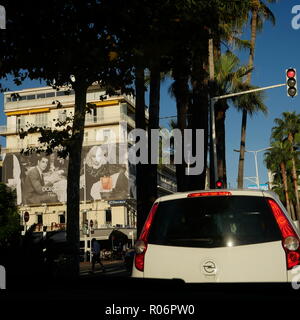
277, 48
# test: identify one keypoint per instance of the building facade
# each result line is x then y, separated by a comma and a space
108, 195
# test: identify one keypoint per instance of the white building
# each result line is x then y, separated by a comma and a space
111, 116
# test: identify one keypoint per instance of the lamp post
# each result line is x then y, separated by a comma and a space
212, 102
255, 152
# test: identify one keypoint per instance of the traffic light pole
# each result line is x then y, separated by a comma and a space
213, 101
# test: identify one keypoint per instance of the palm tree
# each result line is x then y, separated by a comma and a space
259, 12
228, 78
276, 159
286, 130
230, 23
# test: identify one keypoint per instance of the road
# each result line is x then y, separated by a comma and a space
113, 269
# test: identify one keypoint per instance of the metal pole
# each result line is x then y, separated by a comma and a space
85, 247
91, 253
248, 91
256, 168
213, 100
213, 133
256, 164
84, 190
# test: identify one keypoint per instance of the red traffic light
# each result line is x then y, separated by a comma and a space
291, 73
219, 184
291, 82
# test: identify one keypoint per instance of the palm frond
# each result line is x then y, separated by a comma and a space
266, 13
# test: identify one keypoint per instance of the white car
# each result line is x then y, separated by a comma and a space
218, 236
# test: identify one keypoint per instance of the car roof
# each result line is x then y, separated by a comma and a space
234, 192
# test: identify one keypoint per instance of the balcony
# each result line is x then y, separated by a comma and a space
100, 120
6, 130
46, 96
89, 121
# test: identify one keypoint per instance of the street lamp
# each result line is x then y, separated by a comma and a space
212, 102
255, 152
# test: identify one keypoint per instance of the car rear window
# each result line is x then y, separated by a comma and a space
214, 221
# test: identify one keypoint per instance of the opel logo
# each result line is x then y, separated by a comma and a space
209, 267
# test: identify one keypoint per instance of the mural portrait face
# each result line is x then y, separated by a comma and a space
96, 157
42, 164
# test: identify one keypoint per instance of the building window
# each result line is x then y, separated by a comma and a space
39, 219
86, 136
100, 115
62, 218
20, 122
41, 96
62, 115
41, 119
91, 117
99, 135
108, 216
61, 93
131, 114
106, 135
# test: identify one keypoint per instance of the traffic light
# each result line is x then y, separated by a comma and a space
219, 184
291, 82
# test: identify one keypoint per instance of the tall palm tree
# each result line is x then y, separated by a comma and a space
230, 23
259, 12
286, 130
277, 187
277, 158
229, 78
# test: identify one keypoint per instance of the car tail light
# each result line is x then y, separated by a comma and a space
209, 194
290, 240
142, 243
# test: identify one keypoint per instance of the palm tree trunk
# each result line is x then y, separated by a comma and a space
294, 176
73, 190
211, 92
141, 192
182, 107
244, 116
153, 124
181, 92
295, 183
198, 118
293, 213
242, 151
285, 186
220, 115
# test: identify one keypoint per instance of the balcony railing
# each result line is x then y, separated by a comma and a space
5, 130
